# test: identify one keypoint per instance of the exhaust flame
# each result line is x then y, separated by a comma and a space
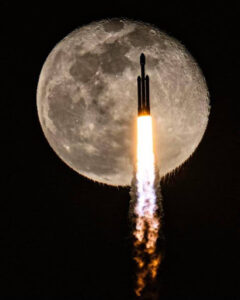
146, 208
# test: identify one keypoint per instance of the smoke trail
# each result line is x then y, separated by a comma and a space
146, 207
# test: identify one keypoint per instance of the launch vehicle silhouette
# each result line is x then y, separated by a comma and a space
143, 90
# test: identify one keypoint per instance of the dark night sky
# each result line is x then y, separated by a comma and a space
66, 236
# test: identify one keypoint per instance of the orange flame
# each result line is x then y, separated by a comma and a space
147, 221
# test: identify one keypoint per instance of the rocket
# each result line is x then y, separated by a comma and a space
143, 90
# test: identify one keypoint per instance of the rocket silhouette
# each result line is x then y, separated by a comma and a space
143, 90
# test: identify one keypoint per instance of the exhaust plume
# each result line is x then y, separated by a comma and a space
146, 207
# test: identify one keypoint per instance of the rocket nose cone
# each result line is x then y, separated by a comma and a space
142, 59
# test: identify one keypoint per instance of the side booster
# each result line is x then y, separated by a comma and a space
143, 90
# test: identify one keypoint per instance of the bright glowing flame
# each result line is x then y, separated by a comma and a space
145, 168
147, 221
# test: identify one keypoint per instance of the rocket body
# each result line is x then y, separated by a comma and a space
143, 90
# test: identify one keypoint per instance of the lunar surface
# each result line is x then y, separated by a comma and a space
87, 99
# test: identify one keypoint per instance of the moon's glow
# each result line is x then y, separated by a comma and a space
87, 98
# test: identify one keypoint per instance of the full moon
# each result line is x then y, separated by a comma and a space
87, 99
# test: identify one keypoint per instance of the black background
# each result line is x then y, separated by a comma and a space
66, 236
